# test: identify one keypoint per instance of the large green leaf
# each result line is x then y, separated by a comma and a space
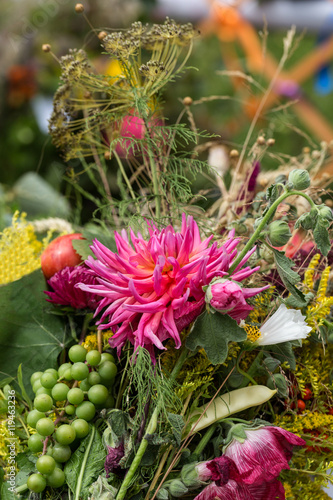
213, 332
85, 465
289, 277
29, 334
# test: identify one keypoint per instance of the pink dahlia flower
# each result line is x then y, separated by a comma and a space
263, 454
228, 297
65, 292
151, 290
235, 490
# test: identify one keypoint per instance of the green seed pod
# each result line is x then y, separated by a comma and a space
300, 179
279, 233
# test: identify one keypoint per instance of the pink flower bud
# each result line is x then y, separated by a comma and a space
227, 297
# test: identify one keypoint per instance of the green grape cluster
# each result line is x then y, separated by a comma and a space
65, 402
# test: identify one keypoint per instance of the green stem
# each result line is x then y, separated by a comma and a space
268, 215
123, 173
205, 439
149, 430
83, 465
153, 170
251, 371
21, 488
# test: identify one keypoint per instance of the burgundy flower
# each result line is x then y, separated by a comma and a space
65, 292
151, 290
113, 457
222, 469
263, 454
234, 490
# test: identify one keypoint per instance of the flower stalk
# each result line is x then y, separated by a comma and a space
268, 215
149, 430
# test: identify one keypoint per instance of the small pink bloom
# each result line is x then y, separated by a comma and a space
264, 453
228, 297
151, 290
65, 292
235, 490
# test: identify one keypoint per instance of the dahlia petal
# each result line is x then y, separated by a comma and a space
244, 273
250, 292
245, 258
169, 324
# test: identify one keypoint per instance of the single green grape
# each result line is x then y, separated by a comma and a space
107, 370
106, 356
35, 443
59, 392
98, 394
37, 385
33, 417
53, 371
81, 427
45, 427
48, 380
84, 385
56, 479
63, 368
43, 402
61, 453
70, 409
94, 378
93, 358
43, 390
75, 396
77, 353
68, 374
45, 464
79, 371
34, 377
65, 434
86, 411
36, 483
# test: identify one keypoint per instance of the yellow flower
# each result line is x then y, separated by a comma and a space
19, 249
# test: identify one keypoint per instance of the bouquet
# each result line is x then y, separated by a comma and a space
161, 350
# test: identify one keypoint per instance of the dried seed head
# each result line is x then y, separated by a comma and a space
234, 153
187, 101
46, 47
79, 8
102, 34
261, 140
306, 150
270, 142
315, 154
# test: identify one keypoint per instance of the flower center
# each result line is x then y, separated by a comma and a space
253, 333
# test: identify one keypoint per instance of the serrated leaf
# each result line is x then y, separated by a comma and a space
177, 423
307, 221
278, 382
284, 352
294, 302
213, 332
321, 237
271, 363
288, 276
85, 465
29, 335
82, 247
118, 421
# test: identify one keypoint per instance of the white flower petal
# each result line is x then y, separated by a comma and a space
285, 325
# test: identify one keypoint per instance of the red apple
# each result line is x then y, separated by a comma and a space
59, 254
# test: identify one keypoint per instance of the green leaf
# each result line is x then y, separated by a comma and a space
321, 237
118, 421
21, 384
284, 352
85, 465
308, 220
294, 302
82, 247
177, 423
288, 276
278, 382
213, 332
29, 335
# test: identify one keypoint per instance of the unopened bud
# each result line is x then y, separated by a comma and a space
315, 154
79, 8
261, 140
325, 212
234, 153
306, 150
46, 47
177, 488
300, 179
270, 142
278, 233
162, 494
187, 101
102, 34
